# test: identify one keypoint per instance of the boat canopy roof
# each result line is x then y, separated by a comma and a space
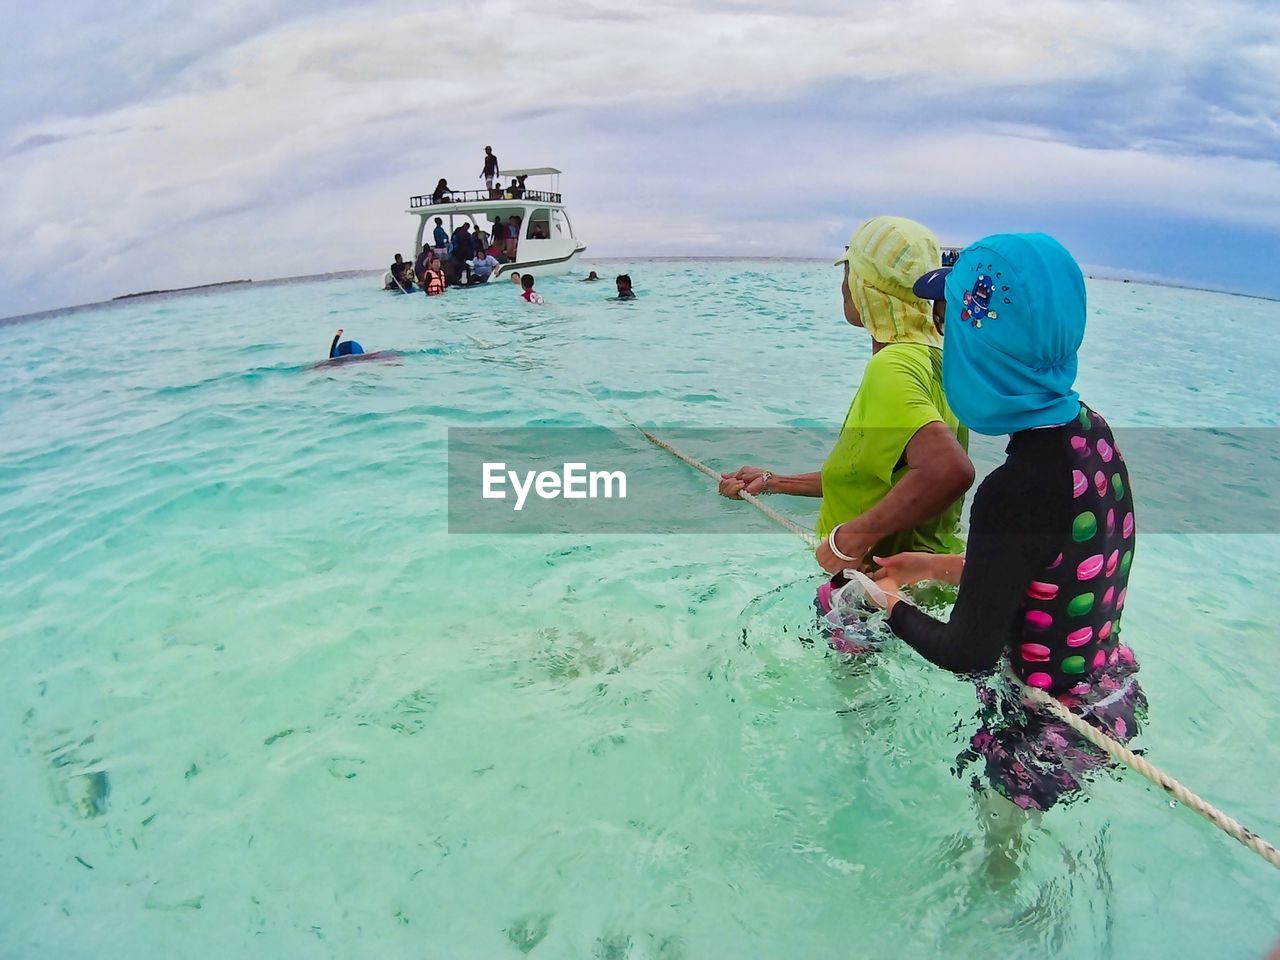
531, 172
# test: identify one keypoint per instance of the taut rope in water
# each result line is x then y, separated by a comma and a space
1113, 748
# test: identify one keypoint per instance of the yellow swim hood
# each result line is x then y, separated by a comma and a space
886, 255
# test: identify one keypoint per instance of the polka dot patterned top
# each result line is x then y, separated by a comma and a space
1051, 540
1072, 609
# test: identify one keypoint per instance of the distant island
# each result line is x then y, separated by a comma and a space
201, 286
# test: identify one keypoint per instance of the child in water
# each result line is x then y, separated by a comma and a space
529, 294
1051, 532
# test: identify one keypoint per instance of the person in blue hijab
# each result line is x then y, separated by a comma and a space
1044, 578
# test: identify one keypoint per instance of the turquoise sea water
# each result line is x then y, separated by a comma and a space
257, 701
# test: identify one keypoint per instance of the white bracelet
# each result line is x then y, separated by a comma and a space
831, 542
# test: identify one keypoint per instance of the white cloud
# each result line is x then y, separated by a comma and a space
293, 149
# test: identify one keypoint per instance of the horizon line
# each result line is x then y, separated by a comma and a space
218, 285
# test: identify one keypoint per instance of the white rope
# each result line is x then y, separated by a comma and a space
755, 501
1113, 748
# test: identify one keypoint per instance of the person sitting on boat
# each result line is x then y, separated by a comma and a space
482, 266
490, 171
529, 294
421, 262
441, 192
433, 280
896, 478
1051, 530
623, 283
516, 190
347, 348
401, 274
455, 272
441, 237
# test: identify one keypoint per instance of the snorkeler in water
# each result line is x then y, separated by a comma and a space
347, 348
344, 352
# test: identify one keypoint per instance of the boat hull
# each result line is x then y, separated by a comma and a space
544, 267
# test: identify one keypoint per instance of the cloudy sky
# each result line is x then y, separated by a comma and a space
160, 144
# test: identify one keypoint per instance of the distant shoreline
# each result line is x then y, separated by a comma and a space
348, 274
198, 286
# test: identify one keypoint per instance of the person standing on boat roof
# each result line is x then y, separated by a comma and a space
490, 171
1051, 530
896, 478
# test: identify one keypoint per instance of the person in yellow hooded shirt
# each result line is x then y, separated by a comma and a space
896, 478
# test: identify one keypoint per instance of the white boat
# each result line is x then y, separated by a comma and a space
546, 245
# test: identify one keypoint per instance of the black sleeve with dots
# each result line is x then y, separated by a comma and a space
1016, 527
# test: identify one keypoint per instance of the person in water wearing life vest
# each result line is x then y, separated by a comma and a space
1044, 580
433, 280
347, 348
896, 478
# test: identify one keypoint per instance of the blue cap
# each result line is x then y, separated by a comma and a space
932, 286
1015, 321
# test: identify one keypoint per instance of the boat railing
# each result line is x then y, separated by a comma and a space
484, 196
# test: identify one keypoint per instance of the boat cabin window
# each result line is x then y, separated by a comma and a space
539, 225
560, 226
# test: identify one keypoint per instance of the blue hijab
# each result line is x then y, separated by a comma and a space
1015, 320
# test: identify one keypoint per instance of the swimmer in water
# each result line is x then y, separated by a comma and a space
590, 277
515, 278
1051, 532
347, 348
623, 283
530, 295
342, 352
